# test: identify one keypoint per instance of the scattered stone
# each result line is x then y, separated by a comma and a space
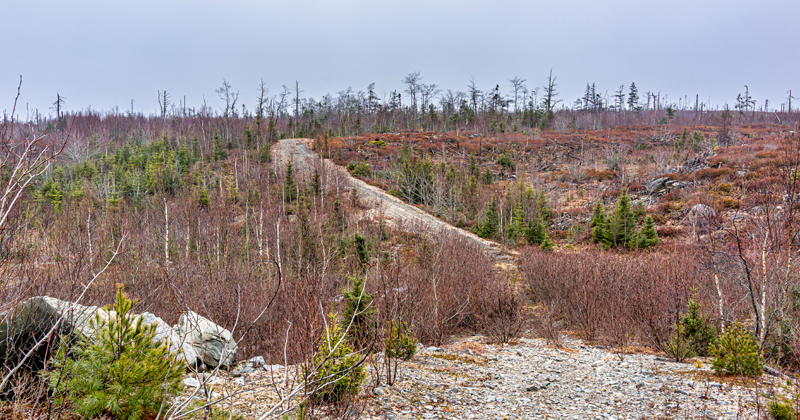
257, 362
572, 382
191, 382
656, 185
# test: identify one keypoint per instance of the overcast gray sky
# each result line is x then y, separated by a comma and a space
106, 53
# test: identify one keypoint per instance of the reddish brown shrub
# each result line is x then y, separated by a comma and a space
616, 299
712, 173
600, 175
666, 231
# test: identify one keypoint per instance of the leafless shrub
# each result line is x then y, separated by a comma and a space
615, 299
501, 317
546, 325
439, 288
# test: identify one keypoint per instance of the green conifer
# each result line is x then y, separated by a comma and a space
316, 185
647, 235
487, 177
202, 200
336, 374
599, 226
121, 371
490, 222
218, 152
517, 225
289, 188
624, 226
358, 314
272, 131
266, 155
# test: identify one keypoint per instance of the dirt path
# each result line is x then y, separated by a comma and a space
395, 212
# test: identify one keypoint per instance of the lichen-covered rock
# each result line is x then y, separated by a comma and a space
213, 344
33, 318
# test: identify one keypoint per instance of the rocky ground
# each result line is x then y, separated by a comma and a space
470, 379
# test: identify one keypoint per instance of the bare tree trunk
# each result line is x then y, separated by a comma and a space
166, 231
763, 291
720, 303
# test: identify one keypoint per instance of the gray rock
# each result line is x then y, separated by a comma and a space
166, 333
656, 185
191, 382
379, 391
41, 313
213, 344
257, 362
700, 213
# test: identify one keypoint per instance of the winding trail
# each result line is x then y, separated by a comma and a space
399, 214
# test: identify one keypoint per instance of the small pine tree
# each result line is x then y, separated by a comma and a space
289, 189
488, 226
647, 236
474, 170
506, 161
218, 153
624, 227
542, 211
536, 232
597, 215
547, 244
697, 141
336, 374
52, 192
316, 185
337, 219
517, 225
487, 177
113, 201
696, 328
599, 225
266, 155
354, 197
358, 313
736, 353
249, 135
120, 372
202, 200
360, 249
272, 131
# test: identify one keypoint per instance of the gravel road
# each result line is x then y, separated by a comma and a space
395, 212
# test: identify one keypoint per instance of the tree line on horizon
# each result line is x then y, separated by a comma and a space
429, 107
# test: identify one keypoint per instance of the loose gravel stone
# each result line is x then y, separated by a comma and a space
527, 380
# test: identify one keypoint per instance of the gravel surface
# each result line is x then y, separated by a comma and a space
469, 379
